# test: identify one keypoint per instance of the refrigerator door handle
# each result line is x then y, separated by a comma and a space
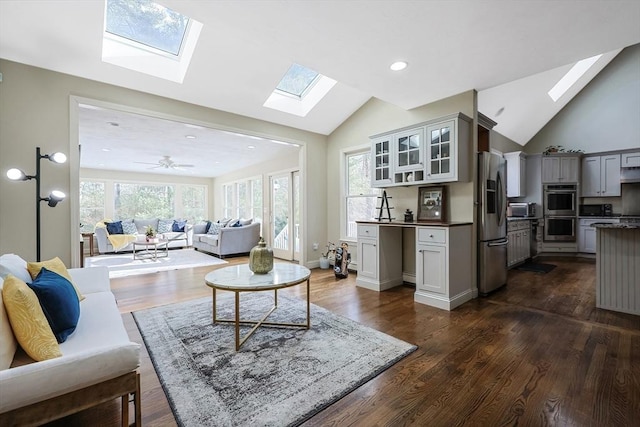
502, 243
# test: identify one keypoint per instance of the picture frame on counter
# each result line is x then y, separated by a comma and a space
432, 204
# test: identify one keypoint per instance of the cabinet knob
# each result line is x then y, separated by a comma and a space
431, 235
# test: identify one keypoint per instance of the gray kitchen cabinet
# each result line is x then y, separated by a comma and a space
601, 176
560, 169
516, 173
519, 246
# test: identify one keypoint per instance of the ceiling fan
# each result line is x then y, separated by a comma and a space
167, 163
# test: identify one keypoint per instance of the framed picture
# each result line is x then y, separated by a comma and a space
432, 204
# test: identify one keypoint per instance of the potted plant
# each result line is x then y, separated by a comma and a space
324, 258
150, 233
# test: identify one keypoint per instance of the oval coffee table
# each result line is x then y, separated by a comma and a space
238, 278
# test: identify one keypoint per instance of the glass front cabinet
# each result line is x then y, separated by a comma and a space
380, 154
431, 152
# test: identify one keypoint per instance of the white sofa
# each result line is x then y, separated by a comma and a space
228, 241
98, 364
176, 239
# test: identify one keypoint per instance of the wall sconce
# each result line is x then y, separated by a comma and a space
52, 200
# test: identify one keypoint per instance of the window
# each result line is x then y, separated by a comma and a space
361, 198
299, 91
125, 200
297, 80
148, 23
194, 203
92, 203
149, 38
143, 201
243, 199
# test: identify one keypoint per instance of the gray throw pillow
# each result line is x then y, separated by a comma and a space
129, 227
214, 229
165, 225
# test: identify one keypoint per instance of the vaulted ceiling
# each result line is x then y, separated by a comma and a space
246, 46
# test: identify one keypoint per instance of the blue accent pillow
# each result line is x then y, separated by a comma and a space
206, 230
237, 224
178, 226
59, 302
114, 227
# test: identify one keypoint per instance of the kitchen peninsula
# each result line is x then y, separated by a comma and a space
618, 267
443, 254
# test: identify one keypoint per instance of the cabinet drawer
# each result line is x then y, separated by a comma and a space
432, 235
370, 231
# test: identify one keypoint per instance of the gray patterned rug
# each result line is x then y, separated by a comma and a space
280, 377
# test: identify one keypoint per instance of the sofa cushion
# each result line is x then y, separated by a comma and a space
128, 227
114, 227
246, 221
142, 224
28, 322
13, 264
165, 225
57, 266
214, 228
178, 225
201, 227
231, 222
59, 302
8, 343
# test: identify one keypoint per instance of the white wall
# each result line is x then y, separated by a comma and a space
35, 111
604, 116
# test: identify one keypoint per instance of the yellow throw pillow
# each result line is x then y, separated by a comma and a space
57, 266
29, 324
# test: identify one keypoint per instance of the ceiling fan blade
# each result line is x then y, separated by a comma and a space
146, 163
156, 166
183, 166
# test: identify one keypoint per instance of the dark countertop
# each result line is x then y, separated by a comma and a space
522, 218
621, 226
415, 223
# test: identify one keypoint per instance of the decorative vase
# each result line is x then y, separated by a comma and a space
261, 258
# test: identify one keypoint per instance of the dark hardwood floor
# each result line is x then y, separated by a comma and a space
537, 353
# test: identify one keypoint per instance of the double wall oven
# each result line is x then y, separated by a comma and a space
560, 212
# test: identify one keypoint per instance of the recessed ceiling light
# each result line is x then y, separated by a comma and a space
113, 123
500, 111
106, 149
251, 147
190, 136
398, 66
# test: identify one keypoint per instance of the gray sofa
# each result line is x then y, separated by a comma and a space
228, 241
176, 239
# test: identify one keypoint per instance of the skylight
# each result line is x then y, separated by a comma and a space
147, 37
571, 77
299, 91
147, 23
297, 80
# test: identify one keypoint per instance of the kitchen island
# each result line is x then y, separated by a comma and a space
618, 267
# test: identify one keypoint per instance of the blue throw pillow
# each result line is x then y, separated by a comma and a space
206, 230
114, 227
178, 226
59, 302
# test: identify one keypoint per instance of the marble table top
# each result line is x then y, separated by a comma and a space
240, 278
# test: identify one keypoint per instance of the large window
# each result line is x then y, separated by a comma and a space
243, 199
92, 203
361, 198
109, 199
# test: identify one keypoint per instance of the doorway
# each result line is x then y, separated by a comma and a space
285, 215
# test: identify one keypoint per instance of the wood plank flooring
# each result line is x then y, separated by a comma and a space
537, 352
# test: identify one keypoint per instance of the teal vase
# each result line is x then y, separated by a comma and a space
261, 258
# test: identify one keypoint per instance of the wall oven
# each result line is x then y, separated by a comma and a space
560, 200
559, 229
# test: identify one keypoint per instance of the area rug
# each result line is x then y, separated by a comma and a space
280, 376
536, 267
123, 264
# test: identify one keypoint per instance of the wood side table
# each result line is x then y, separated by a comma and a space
90, 236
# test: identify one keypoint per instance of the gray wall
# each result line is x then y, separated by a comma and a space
35, 111
604, 116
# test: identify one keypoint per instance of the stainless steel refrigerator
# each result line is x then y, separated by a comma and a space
492, 222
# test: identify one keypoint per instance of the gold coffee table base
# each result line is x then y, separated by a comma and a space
257, 323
